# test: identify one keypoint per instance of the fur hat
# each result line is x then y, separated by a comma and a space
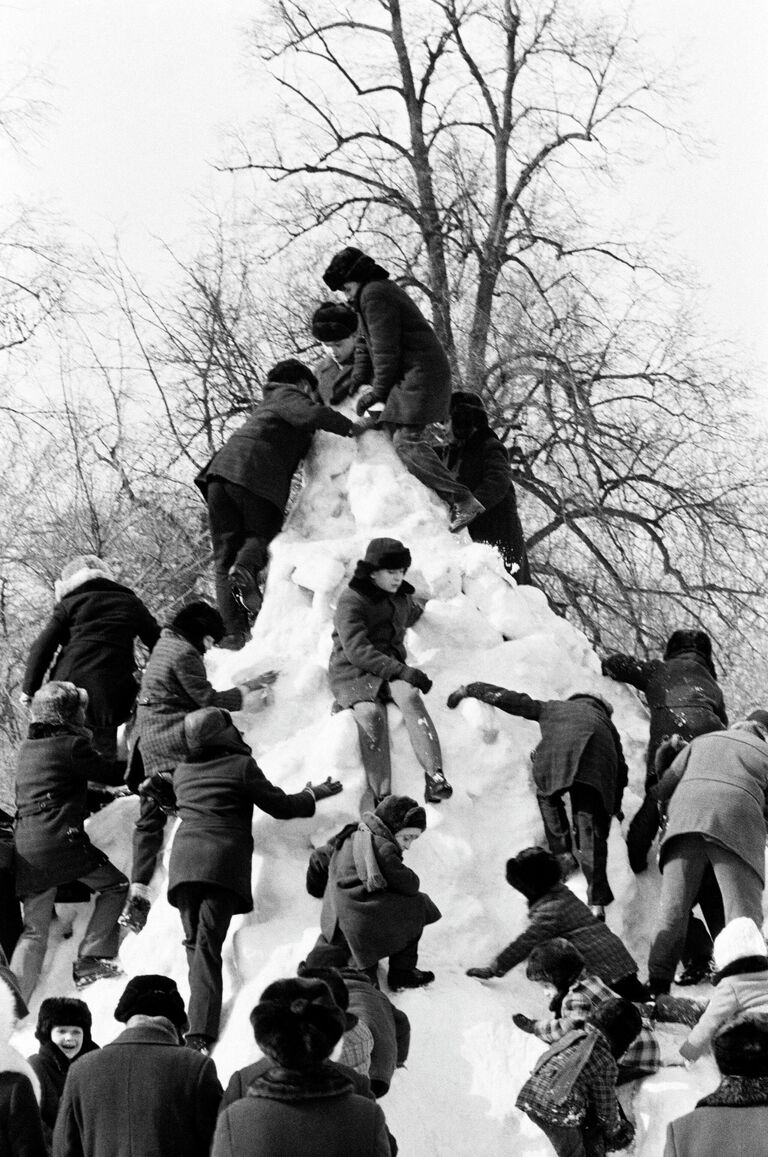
557, 962
400, 811
57, 703
196, 620
606, 706
336, 983
352, 264
60, 1010
84, 562
293, 371
468, 409
203, 727
333, 321
758, 716
619, 1021
152, 995
741, 1045
681, 640
386, 554
533, 872
297, 1022
739, 939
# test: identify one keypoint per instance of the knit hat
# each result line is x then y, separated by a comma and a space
152, 995
555, 962
84, 562
196, 620
533, 872
202, 728
352, 264
58, 703
619, 1021
400, 811
759, 716
60, 1010
333, 321
386, 554
335, 981
297, 1022
741, 1046
739, 939
293, 371
595, 698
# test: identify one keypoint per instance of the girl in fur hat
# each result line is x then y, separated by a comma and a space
21, 1129
64, 1032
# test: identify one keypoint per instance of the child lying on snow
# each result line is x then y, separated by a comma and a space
554, 910
578, 993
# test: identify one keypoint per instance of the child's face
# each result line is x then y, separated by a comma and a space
341, 350
388, 580
406, 836
68, 1038
350, 290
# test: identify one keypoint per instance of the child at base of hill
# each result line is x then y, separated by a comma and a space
577, 994
554, 910
571, 1092
64, 1032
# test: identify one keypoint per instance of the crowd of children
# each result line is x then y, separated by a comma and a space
707, 780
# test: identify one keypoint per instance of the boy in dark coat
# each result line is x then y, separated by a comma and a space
54, 766
93, 628
400, 363
479, 459
580, 755
335, 325
368, 669
247, 484
209, 874
64, 1032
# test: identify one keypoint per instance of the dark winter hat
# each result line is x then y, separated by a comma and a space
11, 980
337, 985
196, 620
688, 641
400, 811
57, 702
759, 716
741, 1046
293, 371
59, 1010
152, 995
606, 706
333, 321
619, 1021
555, 962
352, 264
204, 727
386, 554
468, 409
533, 872
297, 1022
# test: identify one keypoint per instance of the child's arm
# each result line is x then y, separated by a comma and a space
513, 702
575, 1009
627, 669
541, 928
723, 1005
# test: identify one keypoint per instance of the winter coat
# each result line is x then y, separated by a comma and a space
311, 1113
682, 694
374, 924
482, 465
51, 1066
742, 992
559, 912
241, 1080
579, 744
733, 1119
215, 799
720, 786
263, 454
389, 1026
21, 1129
368, 639
174, 683
52, 775
399, 354
93, 626
334, 381
141, 1095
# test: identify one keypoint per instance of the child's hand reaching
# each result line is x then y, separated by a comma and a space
523, 1022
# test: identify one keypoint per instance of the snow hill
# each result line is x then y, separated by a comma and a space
468, 1060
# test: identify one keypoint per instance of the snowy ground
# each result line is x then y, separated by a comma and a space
468, 1060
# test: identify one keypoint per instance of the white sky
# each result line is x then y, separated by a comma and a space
144, 90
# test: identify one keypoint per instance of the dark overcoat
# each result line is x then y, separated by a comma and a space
93, 627
719, 1129
399, 354
51, 1066
214, 843
334, 381
173, 684
263, 454
142, 1094
52, 776
368, 639
240, 1081
21, 1130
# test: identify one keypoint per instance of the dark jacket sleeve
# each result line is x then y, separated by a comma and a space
363, 366
304, 414
88, 764
381, 312
497, 474
352, 629
207, 1100
626, 669
622, 771
543, 926
513, 702
42, 651
273, 800
147, 626
190, 672
399, 877
23, 1124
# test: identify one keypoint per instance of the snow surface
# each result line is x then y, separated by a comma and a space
468, 1060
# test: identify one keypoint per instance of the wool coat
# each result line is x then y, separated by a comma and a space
174, 683
242, 1079
389, 1027
51, 1066
369, 639
375, 924
334, 381
263, 454
141, 1095
742, 992
21, 1129
52, 775
93, 628
718, 787
593, 1089
579, 743
215, 798
733, 1119
399, 354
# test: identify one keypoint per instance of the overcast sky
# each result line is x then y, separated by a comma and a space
143, 91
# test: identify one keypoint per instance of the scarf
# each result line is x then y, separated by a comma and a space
366, 864
314, 1081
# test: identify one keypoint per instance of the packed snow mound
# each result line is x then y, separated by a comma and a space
468, 1060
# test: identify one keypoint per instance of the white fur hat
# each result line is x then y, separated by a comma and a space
740, 938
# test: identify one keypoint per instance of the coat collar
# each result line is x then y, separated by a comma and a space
318, 1081
363, 584
87, 575
739, 1092
156, 1031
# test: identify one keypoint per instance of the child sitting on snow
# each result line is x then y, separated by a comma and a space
554, 910
571, 1093
577, 994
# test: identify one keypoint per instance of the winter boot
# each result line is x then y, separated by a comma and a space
245, 590
437, 787
134, 914
88, 969
463, 512
413, 978
233, 642
696, 972
199, 1042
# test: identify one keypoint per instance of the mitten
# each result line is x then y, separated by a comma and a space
323, 790
365, 401
417, 678
482, 973
523, 1022
455, 697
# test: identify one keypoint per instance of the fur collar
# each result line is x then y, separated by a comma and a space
744, 966
64, 587
363, 584
11, 1061
738, 1092
319, 1081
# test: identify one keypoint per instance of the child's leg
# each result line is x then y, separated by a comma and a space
424, 739
420, 459
591, 824
373, 733
556, 826
225, 519
29, 954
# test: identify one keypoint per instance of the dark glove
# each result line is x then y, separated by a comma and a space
260, 681
482, 973
323, 790
523, 1022
455, 697
621, 1138
417, 678
365, 401
160, 790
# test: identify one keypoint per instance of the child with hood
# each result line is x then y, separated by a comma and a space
64, 1031
21, 1128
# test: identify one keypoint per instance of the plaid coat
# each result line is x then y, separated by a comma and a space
561, 913
593, 1091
